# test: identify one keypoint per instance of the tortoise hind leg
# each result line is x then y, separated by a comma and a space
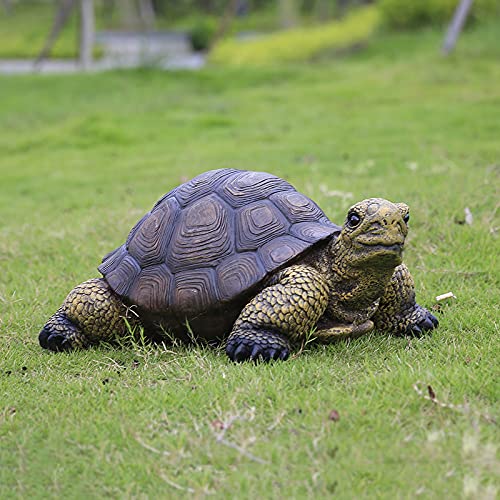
278, 315
91, 313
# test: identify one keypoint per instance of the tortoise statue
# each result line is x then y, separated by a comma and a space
243, 256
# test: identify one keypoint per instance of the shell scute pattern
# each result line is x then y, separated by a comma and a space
125, 273
257, 223
203, 235
296, 206
313, 231
238, 273
153, 288
150, 240
246, 187
325, 221
202, 185
280, 250
111, 260
212, 239
134, 230
195, 290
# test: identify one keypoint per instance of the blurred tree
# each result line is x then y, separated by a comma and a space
127, 13
130, 13
326, 9
242, 7
456, 25
87, 32
288, 13
147, 13
108, 9
342, 6
323, 9
229, 13
87, 29
7, 6
63, 11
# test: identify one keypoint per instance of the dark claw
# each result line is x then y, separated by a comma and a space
43, 338
53, 341
265, 348
230, 348
414, 331
255, 352
58, 343
271, 354
280, 353
434, 320
241, 353
427, 324
58, 334
284, 354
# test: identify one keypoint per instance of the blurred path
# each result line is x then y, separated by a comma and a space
166, 50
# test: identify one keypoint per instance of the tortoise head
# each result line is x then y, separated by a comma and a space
375, 230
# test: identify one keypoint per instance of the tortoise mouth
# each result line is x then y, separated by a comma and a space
383, 247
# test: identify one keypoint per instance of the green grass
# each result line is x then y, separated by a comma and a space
83, 157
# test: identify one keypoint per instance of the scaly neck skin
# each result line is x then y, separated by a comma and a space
355, 287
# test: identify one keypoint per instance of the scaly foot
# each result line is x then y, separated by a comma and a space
252, 345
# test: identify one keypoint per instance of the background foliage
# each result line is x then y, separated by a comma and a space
410, 14
236, 29
299, 44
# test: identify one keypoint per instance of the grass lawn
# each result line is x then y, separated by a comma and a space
83, 157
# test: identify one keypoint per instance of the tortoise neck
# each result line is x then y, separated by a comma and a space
355, 289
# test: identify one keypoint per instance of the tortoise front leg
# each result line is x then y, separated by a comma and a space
398, 311
91, 313
282, 312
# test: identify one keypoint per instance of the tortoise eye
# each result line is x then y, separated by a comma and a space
353, 219
406, 218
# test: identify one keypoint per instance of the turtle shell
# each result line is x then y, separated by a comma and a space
210, 241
